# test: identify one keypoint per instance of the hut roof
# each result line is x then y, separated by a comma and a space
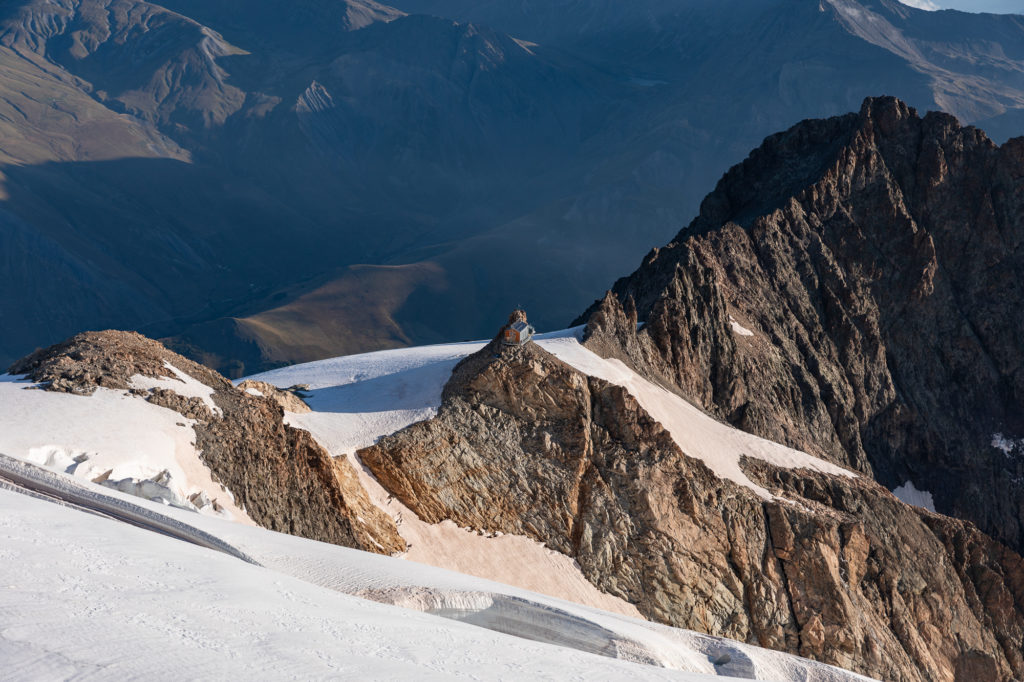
522, 327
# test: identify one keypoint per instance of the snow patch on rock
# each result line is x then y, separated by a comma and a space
1007, 445
115, 439
184, 385
911, 495
739, 328
697, 434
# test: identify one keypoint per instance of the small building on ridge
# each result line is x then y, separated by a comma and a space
517, 334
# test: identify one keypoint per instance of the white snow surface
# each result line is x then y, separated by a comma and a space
92, 598
911, 495
698, 435
359, 398
184, 385
739, 328
142, 448
1007, 445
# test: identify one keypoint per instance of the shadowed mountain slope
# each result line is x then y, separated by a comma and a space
253, 153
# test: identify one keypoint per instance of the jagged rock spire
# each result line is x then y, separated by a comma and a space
518, 315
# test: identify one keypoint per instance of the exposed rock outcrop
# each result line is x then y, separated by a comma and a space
837, 569
854, 289
284, 480
288, 399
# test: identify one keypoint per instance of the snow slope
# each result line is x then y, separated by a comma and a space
92, 598
89, 598
184, 385
356, 399
134, 445
698, 435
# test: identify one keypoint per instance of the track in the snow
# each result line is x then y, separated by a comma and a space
30, 479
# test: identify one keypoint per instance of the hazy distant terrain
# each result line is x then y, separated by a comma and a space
997, 6
272, 181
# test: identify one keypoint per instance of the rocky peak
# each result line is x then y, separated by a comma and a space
507, 377
501, 362
517, 315
283, 479
853, 289
107, 359
290, 399
611, 332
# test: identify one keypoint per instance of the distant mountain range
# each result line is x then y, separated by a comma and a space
267, 182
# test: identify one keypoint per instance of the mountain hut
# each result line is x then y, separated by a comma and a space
518, 334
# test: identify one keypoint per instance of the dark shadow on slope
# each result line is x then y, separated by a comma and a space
147, 244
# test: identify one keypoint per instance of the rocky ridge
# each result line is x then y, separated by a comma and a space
282, 478
836, 569
853, 289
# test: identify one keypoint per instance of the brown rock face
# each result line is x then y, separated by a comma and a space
287, 399
839, 570
876, 262
284, 479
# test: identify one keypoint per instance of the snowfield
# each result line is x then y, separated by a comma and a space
89, 598
132, 445
107, 571
359, 398
93, 598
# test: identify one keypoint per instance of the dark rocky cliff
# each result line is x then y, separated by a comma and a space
877, 258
